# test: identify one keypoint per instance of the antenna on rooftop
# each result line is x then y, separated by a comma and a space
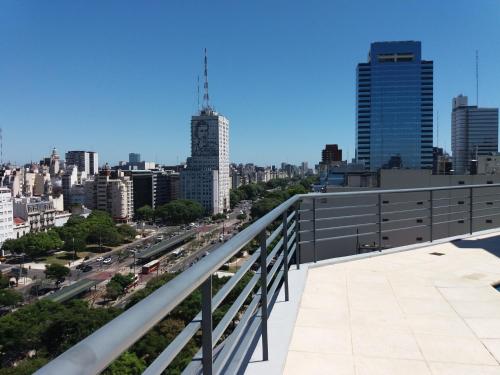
477, 78
1, 147
206, 99
198, 90
437, 129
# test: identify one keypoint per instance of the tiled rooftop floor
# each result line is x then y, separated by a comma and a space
403, 313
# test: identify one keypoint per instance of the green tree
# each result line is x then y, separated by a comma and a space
34, 245
114, 290
242, 216
9, 297
145, 213
4, 282
126, 231
56, 271
180, 211
126, 364
234, 197
263, 206
25, 367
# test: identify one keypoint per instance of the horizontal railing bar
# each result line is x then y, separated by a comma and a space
464, 219
291, 252
483, 216
337, 218
338, 237
235, 307
340, 227
405, 211
393, 191
466, 204
343, 207
276, 248
275, 267
405, 228
451, 213
485, 209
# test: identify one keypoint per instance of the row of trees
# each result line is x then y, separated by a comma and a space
267, 196
75, 235
50, 328
180, 211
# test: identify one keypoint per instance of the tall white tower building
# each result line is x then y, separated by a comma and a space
206, 176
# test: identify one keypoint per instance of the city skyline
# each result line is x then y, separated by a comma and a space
112, 86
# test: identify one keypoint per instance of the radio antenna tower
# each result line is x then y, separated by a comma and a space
198, 90
477, 78
437, 129
1, 147
206, 99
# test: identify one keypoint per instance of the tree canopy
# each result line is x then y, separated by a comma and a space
180, 211
56, 271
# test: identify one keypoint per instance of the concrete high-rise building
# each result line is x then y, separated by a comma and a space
86, 161
394, 107
6, 215
474, 132
112, 192
206, 176
134, 157
331, 153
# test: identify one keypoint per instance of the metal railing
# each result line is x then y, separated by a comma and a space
305, 228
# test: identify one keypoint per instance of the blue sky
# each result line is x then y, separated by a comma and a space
120, 76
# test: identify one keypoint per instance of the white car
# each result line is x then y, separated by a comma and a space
99, 259
107, 261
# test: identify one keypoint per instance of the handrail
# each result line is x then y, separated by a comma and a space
94, 353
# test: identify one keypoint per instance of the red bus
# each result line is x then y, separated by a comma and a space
150, 267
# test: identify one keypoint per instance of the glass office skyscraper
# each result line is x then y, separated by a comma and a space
394, 107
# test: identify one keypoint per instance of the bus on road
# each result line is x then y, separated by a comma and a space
150, 267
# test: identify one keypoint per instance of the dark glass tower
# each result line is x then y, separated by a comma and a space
394, 107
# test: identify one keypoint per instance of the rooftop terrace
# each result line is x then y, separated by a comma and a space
428, 311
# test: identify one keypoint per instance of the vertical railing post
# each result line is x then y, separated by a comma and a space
470, 210
431, 212
206, 326
263, 294
285, 253
297, 235
379, 206
314, 229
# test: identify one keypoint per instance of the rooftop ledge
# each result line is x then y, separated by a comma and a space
426, 310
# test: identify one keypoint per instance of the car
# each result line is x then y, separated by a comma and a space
81, 265
107, 261
99, 259
87, 268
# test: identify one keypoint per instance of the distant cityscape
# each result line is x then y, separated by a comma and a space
394, 133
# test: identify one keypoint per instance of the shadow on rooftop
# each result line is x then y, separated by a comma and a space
490, 244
